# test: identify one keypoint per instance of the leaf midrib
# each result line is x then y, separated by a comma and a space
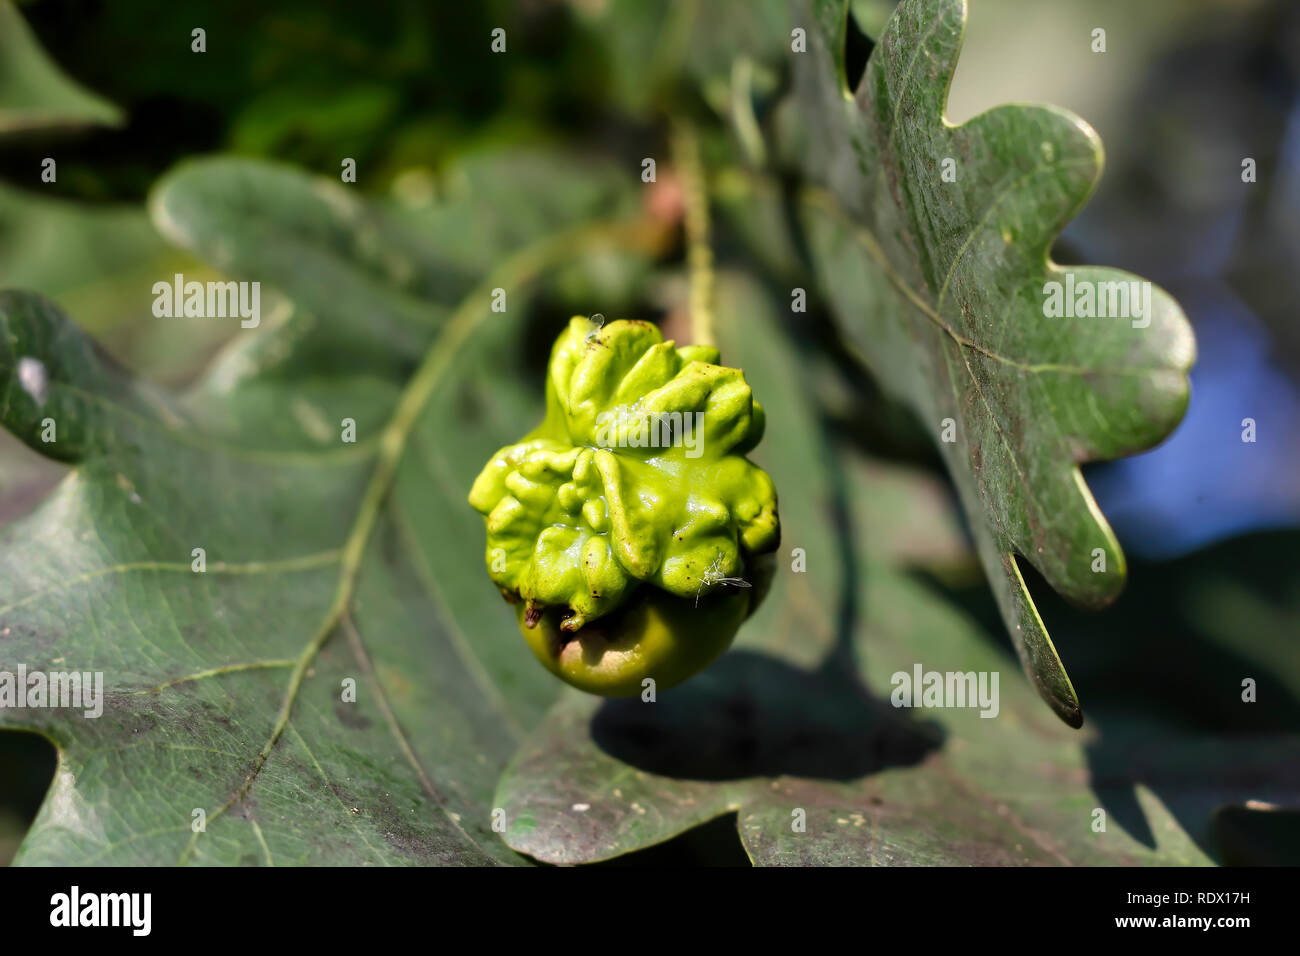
823, 200
518, 269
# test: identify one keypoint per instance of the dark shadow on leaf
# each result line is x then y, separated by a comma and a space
716, 843
753, 715
27, 765
857, 51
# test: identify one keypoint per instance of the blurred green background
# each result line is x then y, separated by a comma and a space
1185, 90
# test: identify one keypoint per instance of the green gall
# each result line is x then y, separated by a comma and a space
629, 523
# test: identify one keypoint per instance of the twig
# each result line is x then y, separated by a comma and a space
699, 254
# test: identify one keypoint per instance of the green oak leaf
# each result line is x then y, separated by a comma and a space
34, 92
794, 731
931, 242
328, 566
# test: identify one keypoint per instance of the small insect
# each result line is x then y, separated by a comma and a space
597, 321
713, 575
